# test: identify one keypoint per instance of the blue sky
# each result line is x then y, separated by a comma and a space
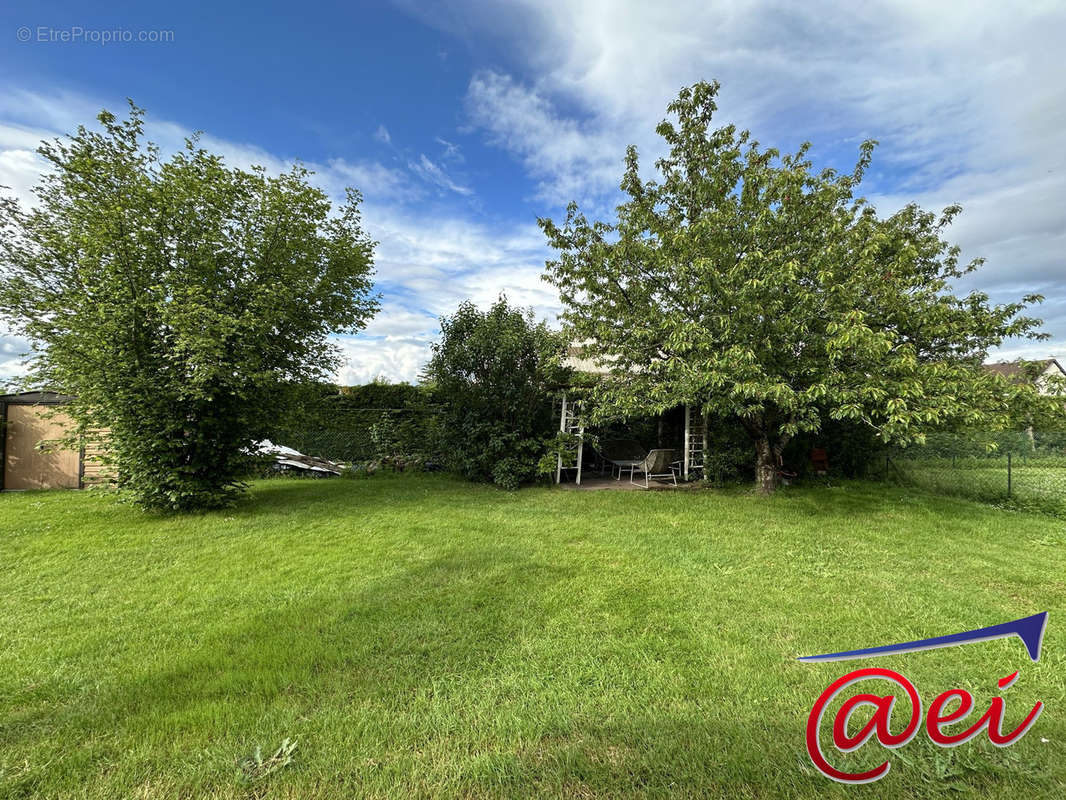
461, 122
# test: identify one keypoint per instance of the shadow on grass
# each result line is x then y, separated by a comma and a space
666, 754
384, 684
376, 646
287, 494
847, 498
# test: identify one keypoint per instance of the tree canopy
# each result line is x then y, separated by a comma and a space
173, 297
745, 282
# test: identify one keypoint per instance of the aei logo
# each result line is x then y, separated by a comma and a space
1029, 629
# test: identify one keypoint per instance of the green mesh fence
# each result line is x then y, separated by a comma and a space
1023, 470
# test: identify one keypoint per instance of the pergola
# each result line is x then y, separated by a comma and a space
571, 421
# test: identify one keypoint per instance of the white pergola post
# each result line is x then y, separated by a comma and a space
580, 448
687, 445
562, 429
578, 427
704, 443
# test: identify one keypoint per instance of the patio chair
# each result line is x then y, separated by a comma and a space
657, 464
786, 476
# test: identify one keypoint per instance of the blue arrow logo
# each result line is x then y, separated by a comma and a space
1029, 629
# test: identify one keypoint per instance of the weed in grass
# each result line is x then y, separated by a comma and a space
255, 768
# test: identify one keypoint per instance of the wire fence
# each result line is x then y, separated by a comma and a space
1025, 470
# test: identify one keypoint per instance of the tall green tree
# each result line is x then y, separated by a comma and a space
492, 374
173, 297
747, 283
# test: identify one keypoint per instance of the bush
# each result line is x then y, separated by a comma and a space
358, 423
173, 299
491, 376
377, 394
853, 448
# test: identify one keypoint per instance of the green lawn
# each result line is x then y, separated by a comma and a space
419, 637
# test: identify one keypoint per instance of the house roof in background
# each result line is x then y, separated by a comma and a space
579, 362
1016, 370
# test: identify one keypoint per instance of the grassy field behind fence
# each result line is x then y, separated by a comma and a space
420, 637
1034, 484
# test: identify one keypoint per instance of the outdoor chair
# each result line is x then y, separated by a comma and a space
784, 475
657, 464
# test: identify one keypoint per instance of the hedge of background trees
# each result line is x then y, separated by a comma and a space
188, 307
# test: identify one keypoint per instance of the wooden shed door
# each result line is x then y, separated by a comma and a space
25, 466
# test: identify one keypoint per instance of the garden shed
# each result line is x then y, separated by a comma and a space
31, 424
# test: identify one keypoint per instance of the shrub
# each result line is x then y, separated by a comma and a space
175, 299
491, 375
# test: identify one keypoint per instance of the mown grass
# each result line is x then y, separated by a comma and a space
420, 637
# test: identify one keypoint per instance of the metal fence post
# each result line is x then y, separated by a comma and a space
1008, 474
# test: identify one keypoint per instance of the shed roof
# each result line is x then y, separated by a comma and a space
36, 397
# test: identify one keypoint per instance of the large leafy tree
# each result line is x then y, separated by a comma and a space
747, 283
176, 300
493, 373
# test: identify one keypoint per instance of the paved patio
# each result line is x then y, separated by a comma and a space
596, 483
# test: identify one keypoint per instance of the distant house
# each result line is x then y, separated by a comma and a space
31, 425
1039, 372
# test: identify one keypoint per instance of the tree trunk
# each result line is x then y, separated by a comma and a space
765, 433
765, 466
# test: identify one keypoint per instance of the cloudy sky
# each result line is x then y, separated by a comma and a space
462, 122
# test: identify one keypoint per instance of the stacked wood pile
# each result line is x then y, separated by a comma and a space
95, 451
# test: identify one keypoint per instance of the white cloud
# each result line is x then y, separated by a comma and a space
377, 182
369, 359
942, 82
452, 151
13, 350
966, 99
435, 174
19, 171
395, 322
568, 161
50, 113
426, 263
447, 259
